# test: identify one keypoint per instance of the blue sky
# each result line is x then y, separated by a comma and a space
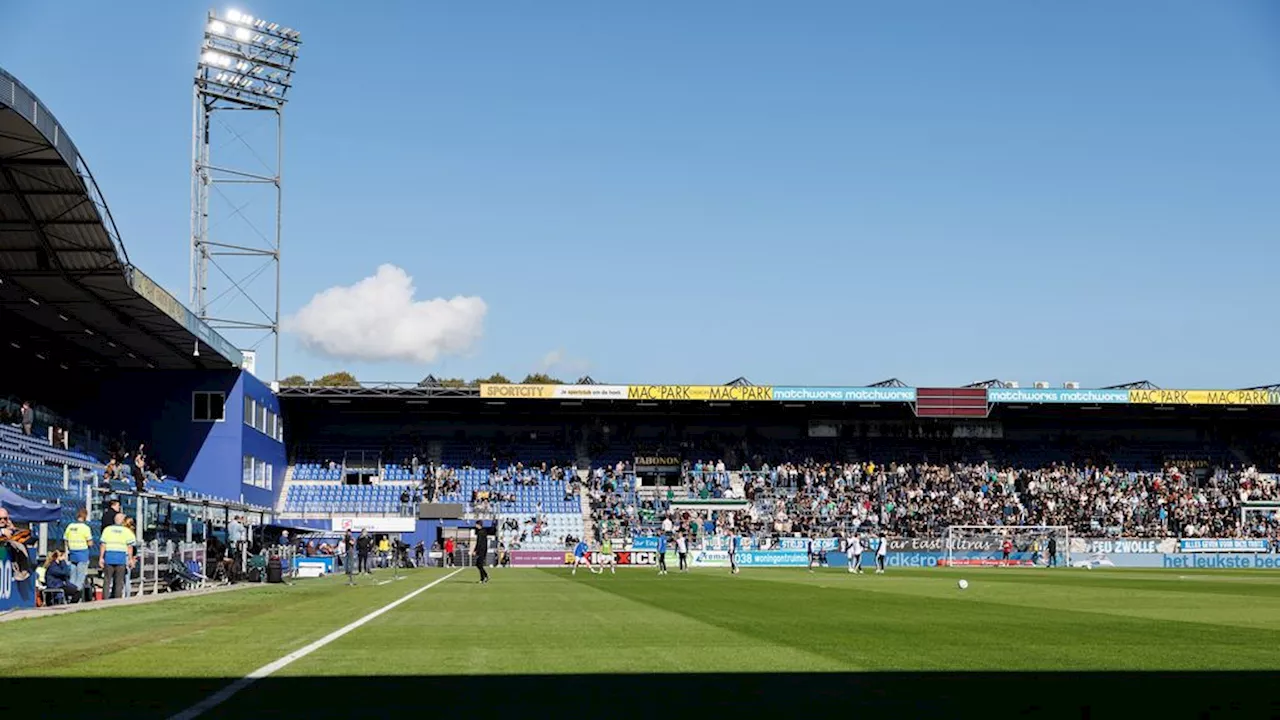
801, 193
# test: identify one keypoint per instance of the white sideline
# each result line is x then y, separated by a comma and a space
222, 695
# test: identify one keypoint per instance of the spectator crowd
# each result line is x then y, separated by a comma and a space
922, 500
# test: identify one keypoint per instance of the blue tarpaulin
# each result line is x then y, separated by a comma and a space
22, 510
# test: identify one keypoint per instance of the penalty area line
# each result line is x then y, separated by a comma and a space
222, 695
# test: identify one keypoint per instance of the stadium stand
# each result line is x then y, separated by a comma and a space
922, 500
103, 351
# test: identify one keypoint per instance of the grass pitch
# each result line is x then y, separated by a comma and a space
908, 641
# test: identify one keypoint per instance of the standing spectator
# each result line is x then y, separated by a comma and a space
363, 545
116, 557
140, 469
235, 542
28, 418
79, 538
349, 561
109, 515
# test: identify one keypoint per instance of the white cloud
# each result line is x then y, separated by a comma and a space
550, 360
557, 360
377, 319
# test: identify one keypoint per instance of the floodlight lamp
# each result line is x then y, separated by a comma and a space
243, 34
233, 16
218, 27
216, 59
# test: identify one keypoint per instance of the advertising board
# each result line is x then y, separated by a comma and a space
521, 391
375, 524
735, 393
844, 394
540, 558
16, 593
795, 543
746, 558
1203, 397
1066, 396
969, 544
661, 464
1181, 561
1089, 546
644, 542
1223, 545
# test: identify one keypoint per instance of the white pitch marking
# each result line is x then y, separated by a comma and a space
222, 695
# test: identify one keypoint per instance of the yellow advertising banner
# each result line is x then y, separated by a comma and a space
699, 392
518, 392
1202, 397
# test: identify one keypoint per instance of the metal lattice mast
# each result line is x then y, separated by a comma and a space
242, 78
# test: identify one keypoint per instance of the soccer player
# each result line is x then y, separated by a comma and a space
606, 557
1006, 549
882, 552
482, 552
662, 554
580, 557
682, 549
735, 541
813, 554
854, 553
1053, 552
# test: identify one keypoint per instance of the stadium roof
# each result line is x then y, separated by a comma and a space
68, 293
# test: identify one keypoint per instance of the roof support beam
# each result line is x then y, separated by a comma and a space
52, 257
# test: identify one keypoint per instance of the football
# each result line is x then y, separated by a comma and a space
964, 584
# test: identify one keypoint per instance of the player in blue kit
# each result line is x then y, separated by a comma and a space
662, 554
735, 544
581, 557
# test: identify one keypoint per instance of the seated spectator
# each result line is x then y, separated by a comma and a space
57, 576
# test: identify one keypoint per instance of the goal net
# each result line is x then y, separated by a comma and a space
1027, 546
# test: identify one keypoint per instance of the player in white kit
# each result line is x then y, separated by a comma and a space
854, 553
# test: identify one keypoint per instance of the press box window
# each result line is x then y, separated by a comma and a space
208, 406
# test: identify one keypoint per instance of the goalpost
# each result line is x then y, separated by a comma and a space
983, 545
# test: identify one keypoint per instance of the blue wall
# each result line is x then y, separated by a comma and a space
156, 408
258, 444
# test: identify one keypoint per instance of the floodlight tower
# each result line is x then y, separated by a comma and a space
243, 76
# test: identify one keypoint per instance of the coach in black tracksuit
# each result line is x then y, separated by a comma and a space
481, 551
